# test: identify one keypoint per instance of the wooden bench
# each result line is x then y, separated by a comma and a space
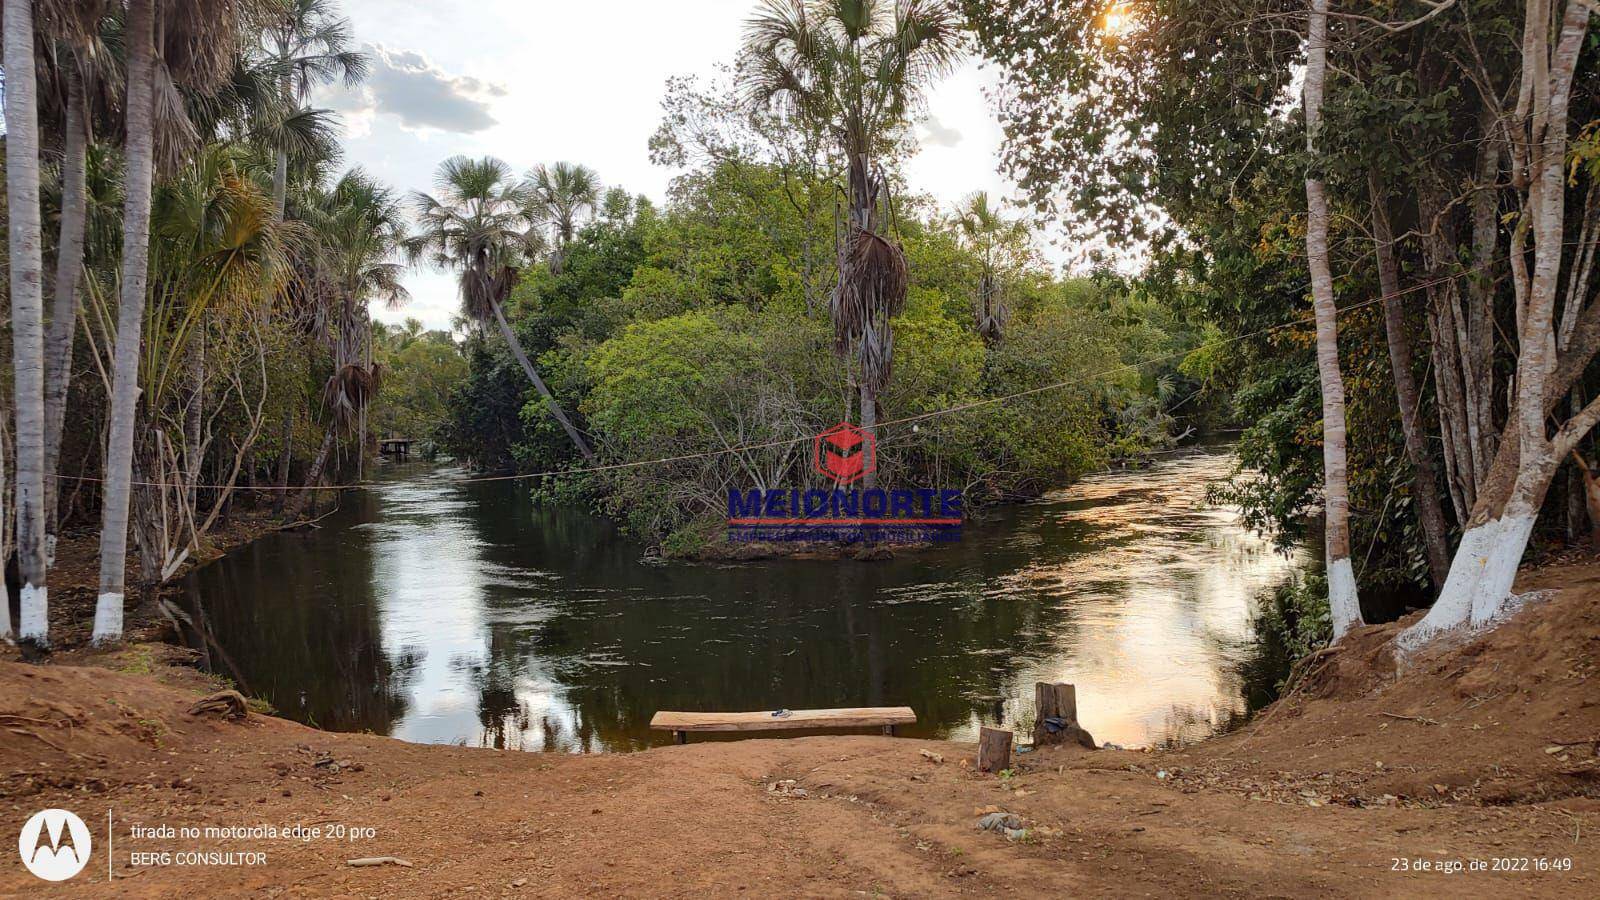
681, 723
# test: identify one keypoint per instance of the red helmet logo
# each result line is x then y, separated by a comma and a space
844, 453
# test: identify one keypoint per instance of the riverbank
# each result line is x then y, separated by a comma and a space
75, 577
1485, 751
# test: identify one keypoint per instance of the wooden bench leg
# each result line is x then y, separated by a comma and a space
888, 730
680, 737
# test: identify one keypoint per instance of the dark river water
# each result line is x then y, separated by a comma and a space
465, 613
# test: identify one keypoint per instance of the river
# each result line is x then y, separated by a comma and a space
442, 612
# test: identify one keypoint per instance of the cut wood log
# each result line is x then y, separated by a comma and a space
994, 750
782, 720
1056, 716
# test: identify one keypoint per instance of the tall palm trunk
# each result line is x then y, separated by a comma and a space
1343, 601
27, 314
5, 599
280, 182
140, 41
1424, 479
862, 215
64, 303
538, 383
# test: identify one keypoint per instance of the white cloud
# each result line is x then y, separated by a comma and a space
580, 82
407, 85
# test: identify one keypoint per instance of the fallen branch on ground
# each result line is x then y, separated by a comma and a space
1422, 719
227, 704
380, 861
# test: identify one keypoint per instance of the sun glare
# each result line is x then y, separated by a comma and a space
1117, 20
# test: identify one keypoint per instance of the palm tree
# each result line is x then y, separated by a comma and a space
996, 240
81, 64
563, 195
479, 224
855, 68
359, 231
198, 42
308, 45
27, 314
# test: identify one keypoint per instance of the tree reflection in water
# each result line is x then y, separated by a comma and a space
450, 613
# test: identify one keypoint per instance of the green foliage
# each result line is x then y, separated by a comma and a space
419, 368
1294, 617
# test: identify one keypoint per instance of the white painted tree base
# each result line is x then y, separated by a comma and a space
1344, 604
35, 615
1500, 569
107, 618
1477, 591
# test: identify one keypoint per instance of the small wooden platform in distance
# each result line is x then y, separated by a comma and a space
681, 723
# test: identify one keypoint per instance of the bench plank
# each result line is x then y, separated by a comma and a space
857, 717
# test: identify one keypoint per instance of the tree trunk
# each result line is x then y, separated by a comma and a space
314, 476
193, 417
140, 41
869, 424
27, 314
1343, 601
283, 462
280, 183
1424, 481
64, 303
1591, 497
6, 634
538, 383
1481, 575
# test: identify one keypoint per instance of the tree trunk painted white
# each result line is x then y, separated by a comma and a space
6, 634
139, 39
64, 302
1343, 602
1453, 607
27, 315
1481, 576
1492, 598
538, 383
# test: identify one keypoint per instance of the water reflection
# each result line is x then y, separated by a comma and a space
441, 612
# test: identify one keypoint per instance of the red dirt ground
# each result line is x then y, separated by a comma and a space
1481, 751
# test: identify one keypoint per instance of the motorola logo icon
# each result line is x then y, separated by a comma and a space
54, 844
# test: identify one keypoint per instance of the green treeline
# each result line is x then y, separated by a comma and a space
696, 329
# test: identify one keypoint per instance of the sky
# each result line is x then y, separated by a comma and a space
539, 82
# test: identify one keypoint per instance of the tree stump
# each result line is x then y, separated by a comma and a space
1055, 718
994, 750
